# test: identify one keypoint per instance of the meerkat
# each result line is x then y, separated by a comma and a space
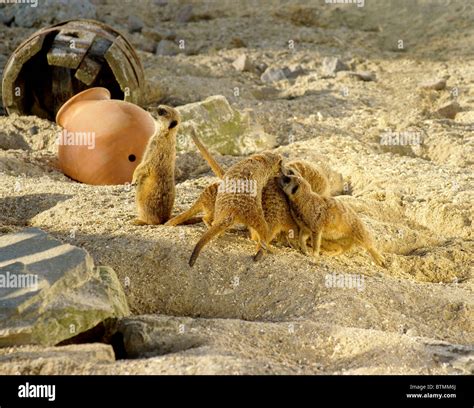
154, 177
205, 204
319, 217
245, 207
315, 175
274, 203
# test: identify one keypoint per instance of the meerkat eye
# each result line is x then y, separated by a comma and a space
291, 172
294, 189
173, 124
162, 112
286, 179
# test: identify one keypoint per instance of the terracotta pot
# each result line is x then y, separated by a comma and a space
103, 139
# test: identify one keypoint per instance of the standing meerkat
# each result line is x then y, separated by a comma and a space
154, 177
319, 217
239, 199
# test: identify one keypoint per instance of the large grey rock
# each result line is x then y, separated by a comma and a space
50, 291
52, 11
221, 128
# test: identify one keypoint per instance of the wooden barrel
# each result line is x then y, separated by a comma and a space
60, 61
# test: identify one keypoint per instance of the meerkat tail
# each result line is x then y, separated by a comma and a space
183, 217
215, 230
215, 167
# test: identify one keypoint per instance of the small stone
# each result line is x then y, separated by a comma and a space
411, 332
185, 14
364, 75
152, 34
237, 42
436, 84
449, 110
331, 65
243, 63
135, 24
293, 71
272, 75
261, 66
12, 141
166, 47
34, 130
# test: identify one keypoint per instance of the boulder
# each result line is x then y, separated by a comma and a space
221, 128
50, 291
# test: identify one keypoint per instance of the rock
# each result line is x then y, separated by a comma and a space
221, 128
243, 63
331, 65
261, 66
140, 42
363, 75
152, 34
12, 140
272, 75
293, 72
237, 42
436, 84
135, 24
34, 130
167, 48
185, 14
449, 110
51, 291
36, 360
53, 11
7, 14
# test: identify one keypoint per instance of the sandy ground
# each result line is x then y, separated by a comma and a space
417, 200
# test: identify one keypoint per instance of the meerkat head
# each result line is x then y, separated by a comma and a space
170, 115
274, 161
288, 171
293, 185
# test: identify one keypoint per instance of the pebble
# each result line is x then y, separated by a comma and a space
135, 24
436, 84
166, 47
331, 65
449, 110
243, 63
272, 75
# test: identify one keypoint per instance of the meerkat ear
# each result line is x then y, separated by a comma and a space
173, 124
295, 189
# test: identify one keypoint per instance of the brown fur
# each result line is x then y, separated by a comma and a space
232, 208
154, 177
322, 217
315, 175
274, 202
205, 203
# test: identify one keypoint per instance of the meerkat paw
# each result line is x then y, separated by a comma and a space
139, 222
